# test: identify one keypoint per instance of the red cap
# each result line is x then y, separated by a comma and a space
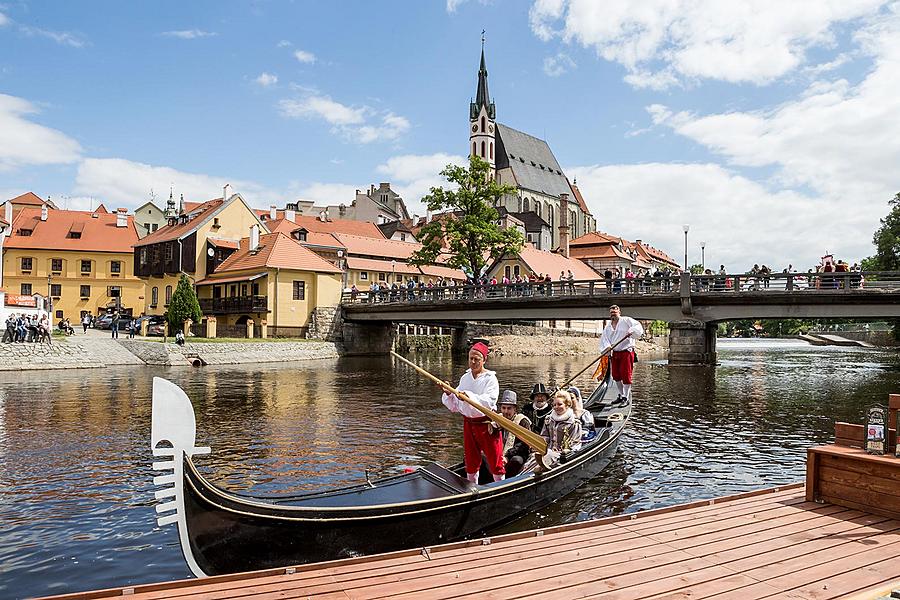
481, 347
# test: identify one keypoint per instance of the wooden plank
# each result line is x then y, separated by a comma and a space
853, 432
880, 469
837, 493
880, 485
812, 474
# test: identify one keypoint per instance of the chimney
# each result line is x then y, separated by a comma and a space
122, 217
371, 189
254, 237
638, 242
226, 192
564, 225
8, 212
290, 214
273, 212
43, 212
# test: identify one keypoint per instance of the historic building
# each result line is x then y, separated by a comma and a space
80, 259
603, 251
527, 163
149, 217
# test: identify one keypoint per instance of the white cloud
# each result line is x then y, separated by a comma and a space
283, 44
360, 124
661, 42
266, 79
121, 182
741, 221
23, 142
4, 20
63, 38
554, 66
305, 57
413, 175
189, 34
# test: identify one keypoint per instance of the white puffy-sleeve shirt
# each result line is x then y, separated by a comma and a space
485, 389
625, 327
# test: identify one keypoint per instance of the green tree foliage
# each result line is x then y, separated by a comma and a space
887, 241
183, 305
471, 234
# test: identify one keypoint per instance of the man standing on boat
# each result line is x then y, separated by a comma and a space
619, 335
479, 437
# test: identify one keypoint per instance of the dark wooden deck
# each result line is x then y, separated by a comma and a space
767, 544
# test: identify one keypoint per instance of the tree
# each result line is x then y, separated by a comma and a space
887, 241
470, 235
183, 305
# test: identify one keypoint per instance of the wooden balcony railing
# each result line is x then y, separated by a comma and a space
233, 305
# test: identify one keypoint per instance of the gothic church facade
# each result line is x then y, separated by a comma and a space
528, 164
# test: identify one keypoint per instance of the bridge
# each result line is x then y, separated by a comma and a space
692, 304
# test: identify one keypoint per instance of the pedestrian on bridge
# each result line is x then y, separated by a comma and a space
619, 335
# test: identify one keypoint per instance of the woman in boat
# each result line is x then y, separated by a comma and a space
561, 429
479, 437
539, 407
585, 416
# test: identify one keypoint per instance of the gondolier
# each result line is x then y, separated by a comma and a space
479, 437
619, 335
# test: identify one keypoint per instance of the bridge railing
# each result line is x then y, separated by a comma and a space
749, 283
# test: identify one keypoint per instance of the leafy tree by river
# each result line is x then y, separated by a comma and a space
470, 234
184, 305
887, 247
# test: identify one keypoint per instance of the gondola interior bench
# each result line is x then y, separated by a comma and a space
844, 474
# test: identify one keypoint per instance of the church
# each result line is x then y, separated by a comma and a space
527, 163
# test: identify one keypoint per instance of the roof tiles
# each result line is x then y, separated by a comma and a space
276, 250
97, 233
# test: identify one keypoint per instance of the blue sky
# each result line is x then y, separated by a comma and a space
769, 127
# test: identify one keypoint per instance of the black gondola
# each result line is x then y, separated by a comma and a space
222, 532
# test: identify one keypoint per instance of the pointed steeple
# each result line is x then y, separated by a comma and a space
482, 96
170, 206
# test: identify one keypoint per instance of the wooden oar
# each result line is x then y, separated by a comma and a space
535, 441
602, 354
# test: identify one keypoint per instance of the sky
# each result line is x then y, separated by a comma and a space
770, 128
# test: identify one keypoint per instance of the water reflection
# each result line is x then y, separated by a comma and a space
75, 480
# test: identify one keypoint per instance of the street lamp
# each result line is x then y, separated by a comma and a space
686, 229
393, 266
703, 255
50, 296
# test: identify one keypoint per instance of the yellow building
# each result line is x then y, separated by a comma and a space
272, 278
81, 259
194, 242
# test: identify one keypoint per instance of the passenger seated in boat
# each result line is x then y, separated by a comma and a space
561, 429
539, 407
585, 416
515, 451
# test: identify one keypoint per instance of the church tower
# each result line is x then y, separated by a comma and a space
481, 119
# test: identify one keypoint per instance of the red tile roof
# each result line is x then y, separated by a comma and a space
236, 278
578, 198
544, 262
607, 251
28, 199
361, 228
98, 234
384, 248
224, 243
275, 250
402, 268
198, 216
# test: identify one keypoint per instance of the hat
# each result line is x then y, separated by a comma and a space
575, 392
509, 397
539, 388
481, 347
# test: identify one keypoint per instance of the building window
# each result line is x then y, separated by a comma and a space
168, 294
25, 232
243, 289
299, 290
56, 265
74, 235
26, 264
232, 289
59, 314
482, 124
506, 271
85, 266
85, 291
147, 227
516, 270
143, 255
402, 237
363, 276
382, 277
217, 291
254, 289
154, 296
56, 290
482, 150
154, 227
26, 289
492, 150
474, 149
115, 266
168, 252
525, 205
114, 291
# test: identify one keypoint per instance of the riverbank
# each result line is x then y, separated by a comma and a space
554, 345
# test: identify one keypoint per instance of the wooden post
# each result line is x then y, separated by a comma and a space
144, 325
263, 329
249, 328
186, 328
210, 327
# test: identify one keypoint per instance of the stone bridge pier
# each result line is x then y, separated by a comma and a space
692, 342
362, 338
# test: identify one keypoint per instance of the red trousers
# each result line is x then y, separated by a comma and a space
622, 366
477, 440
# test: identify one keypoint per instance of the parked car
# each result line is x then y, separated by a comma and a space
156, 324
104, 322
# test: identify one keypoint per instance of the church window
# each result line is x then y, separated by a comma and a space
474, 149
537, 208
482, 124
525, 207
518, 204
482, 150
492, 150
550, 217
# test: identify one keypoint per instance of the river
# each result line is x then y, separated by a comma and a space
76, 497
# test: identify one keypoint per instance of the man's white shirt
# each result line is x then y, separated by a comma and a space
484, 390
625, 327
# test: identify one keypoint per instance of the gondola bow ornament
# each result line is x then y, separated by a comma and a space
172, 434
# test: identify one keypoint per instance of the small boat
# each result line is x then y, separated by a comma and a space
224, 532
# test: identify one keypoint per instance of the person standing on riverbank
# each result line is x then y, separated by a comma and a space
479, 437
619, 335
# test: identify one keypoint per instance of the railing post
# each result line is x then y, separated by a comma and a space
591, 289
789, 285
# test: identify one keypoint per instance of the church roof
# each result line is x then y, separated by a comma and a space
482, 97
532, 162
533, 222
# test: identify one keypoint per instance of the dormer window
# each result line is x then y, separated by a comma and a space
74, 235
300, 235
25, 232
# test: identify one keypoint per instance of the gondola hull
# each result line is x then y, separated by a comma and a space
223, 533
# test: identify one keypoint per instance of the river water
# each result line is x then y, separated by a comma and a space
76, 497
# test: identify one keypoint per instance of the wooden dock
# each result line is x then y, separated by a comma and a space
766, 544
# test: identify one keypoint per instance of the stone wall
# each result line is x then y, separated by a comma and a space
66, 353
877, 338
232, 353
326, 323
493, 329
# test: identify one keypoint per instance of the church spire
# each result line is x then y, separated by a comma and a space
482, 96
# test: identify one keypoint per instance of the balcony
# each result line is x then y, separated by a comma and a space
234, 305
